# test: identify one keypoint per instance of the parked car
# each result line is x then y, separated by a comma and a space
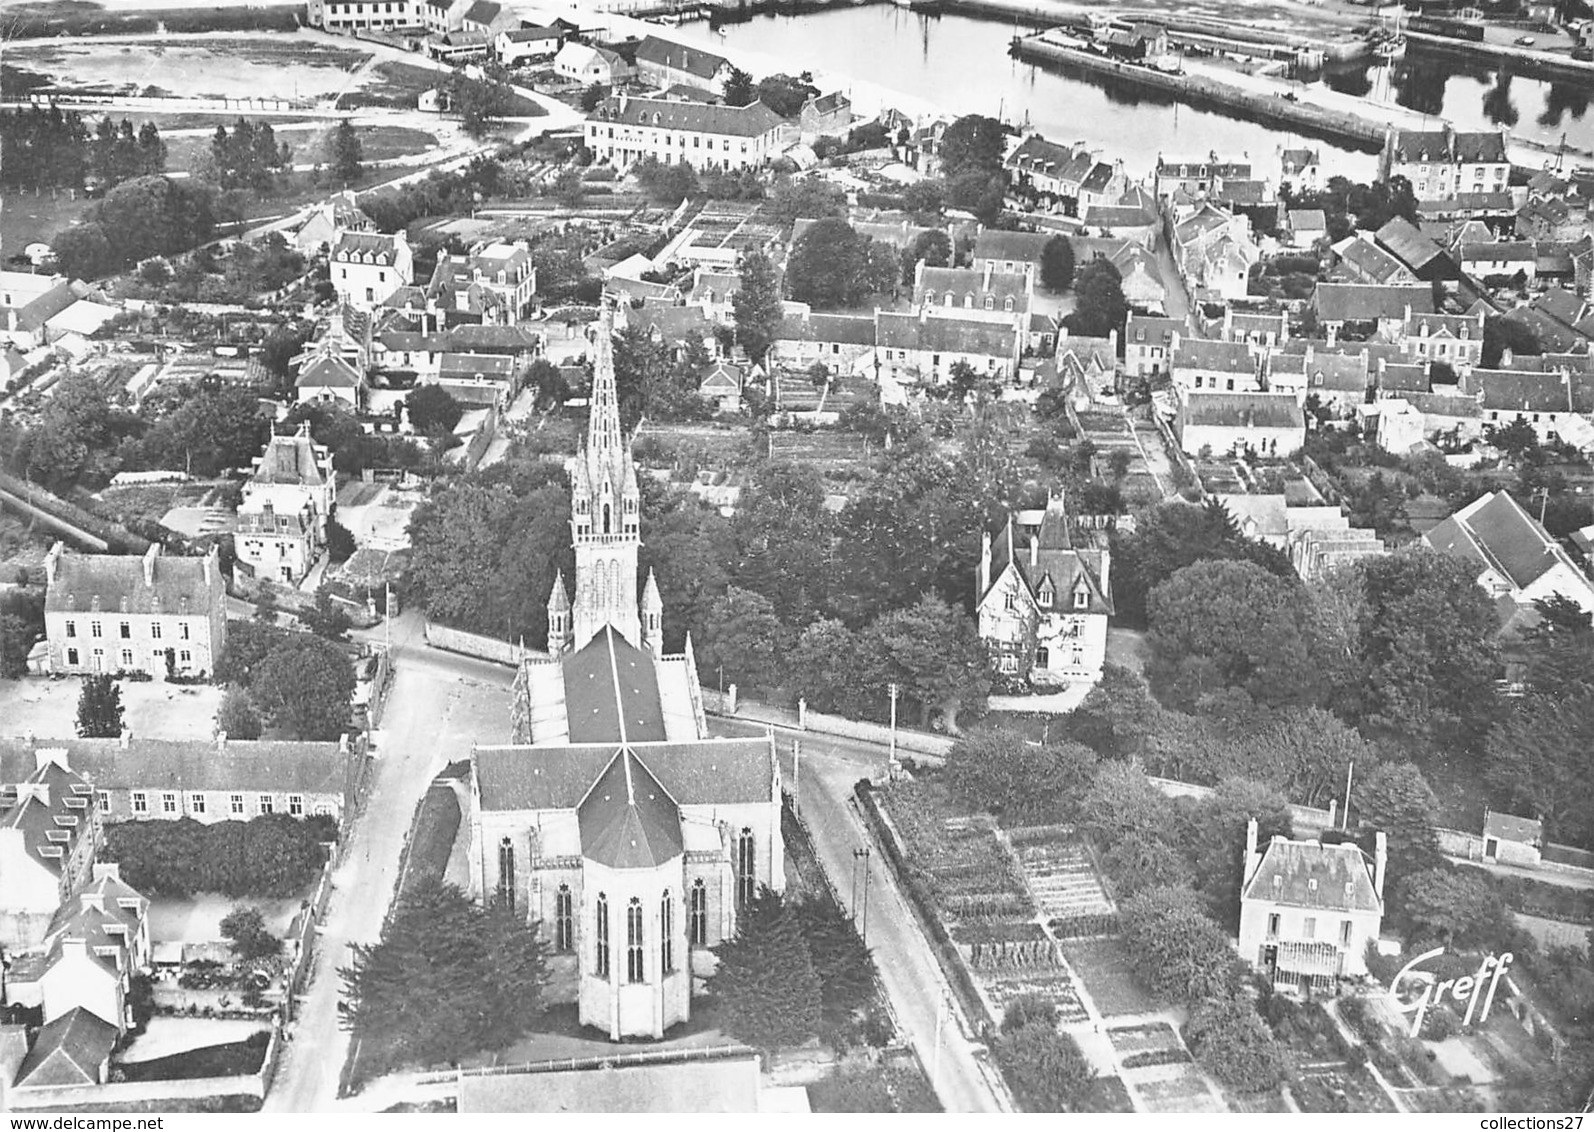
1524, 41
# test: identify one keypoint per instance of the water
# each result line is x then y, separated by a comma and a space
961, 65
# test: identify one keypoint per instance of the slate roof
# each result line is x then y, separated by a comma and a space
1048, 159
1142, 329
50, 827
1368, 260
115, 578
482, 12
722, 378
1308, 220
267, 765
1211, 354
1020, 247
692, 60
706, 772
1293, 161
360, 247
476, 365
1509, 827
981, 337
1342, 373
1242, 410
846, 329
1466, 147
1369, 302
41, 308
1499, 535
628, 820
1288, 869
1500, 251
69, 1051
1058, 563
965, 281
532, 35
736, 121
1442, 405
1116, 216
1405, 241
328, 372
1404, 379
612, 692
1523, 390
291, 460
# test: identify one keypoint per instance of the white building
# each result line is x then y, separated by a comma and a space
1515, 555
1442, 164
623, 131
367, 267
516, 48
131, 613
588, 65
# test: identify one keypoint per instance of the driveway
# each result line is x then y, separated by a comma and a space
439, 704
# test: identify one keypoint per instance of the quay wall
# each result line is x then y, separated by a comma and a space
1198, 89
1528, 64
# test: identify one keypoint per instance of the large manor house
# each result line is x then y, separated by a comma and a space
615, 820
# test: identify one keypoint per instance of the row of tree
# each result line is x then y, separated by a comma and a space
147, 216
51, 148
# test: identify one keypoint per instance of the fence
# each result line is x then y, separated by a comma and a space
474, 644
934, 747
126, 1094
172, 103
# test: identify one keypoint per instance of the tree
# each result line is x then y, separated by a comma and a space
1216, 838
785, 94
1516, 439
245, 929
1175, 950
347, 153
668, 185
766, 991
1139, 861
1231, 1041
1396, 800
99, 707
756, 306
1229, 624
21, 624
266, 605
303, 687
783, 538
1121, 803
746, 639
806, 197
840, 959
972, 142
1099, 304
1044, 1067
830, 266
1000, 770
236, 718
1057, 264
1501, 332
433, 410
935, 654
326, 618
480, 103
340, 542
592, 97
1460, 908
932, 246
738, 89
828, 669
448, 979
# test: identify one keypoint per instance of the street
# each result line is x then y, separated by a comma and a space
439, 704
908, 969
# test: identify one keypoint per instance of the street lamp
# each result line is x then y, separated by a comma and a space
861, 855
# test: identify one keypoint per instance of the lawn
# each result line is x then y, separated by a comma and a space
874, 1088
227, 1060
27, 218
1103, 968
396, 85
377, 143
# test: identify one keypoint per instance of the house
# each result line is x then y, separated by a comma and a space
134, 613
1557, 402
663, 64
1086, 363
1454, 339
1043, 603
73, 1050
1062, 177
364, 15
1301, 169
134, 778
1254, 328
296, 461
327, 377
1508, 260
1124, 221
1010, 253
487, 17
722, 385
1306, 226
1515, 556
1317, 551
27, 302
367, 267
516, 47
1196, 180
278, 535
587, 65
1440, 164
916, 347
1202, 363
1140, 278
1308, 911
974, 294
623, 131
1270, 425
1214, 251
494, 284
1338, 383
1512, 840
1412, 418
713, 291
824, 115
476, 380
1358, 259
459, 46
1421, 255
1367, 308
837, 341
1149, 343
614, 822
322, 222
49, 835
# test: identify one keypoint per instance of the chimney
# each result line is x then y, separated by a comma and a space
221, 742
149, 565
1333, 334
107, 869
985, 562
623, 100
125, 739
1034, 551
343, 742
986, 286
1250, 844
1380, 862
212, 567
1505, 358
52, 562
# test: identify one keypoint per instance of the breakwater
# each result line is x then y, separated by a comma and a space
1305, 117
1529, 64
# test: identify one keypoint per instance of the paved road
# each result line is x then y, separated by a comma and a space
439, 703
908, 968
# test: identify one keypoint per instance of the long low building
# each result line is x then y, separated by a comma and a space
223, 779
624, 131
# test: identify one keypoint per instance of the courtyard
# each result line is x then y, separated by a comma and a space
47, 708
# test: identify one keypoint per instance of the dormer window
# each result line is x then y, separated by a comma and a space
1045, 596
1082, 598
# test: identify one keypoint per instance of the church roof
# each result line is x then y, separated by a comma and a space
628, 820
709, 772
612, 692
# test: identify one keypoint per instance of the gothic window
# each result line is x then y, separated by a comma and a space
563, 919
633, 941
698, 914
603, 936
506, 874
746, 874
666, 933
606, 521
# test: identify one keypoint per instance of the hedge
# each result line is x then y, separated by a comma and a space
271, 856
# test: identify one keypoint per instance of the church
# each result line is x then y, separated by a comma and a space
614, 820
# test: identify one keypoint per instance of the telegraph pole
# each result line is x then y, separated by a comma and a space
891, 767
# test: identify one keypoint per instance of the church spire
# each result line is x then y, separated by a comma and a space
603, 414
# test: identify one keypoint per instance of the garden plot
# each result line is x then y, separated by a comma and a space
1054, 985
1060, 875
1103, 967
